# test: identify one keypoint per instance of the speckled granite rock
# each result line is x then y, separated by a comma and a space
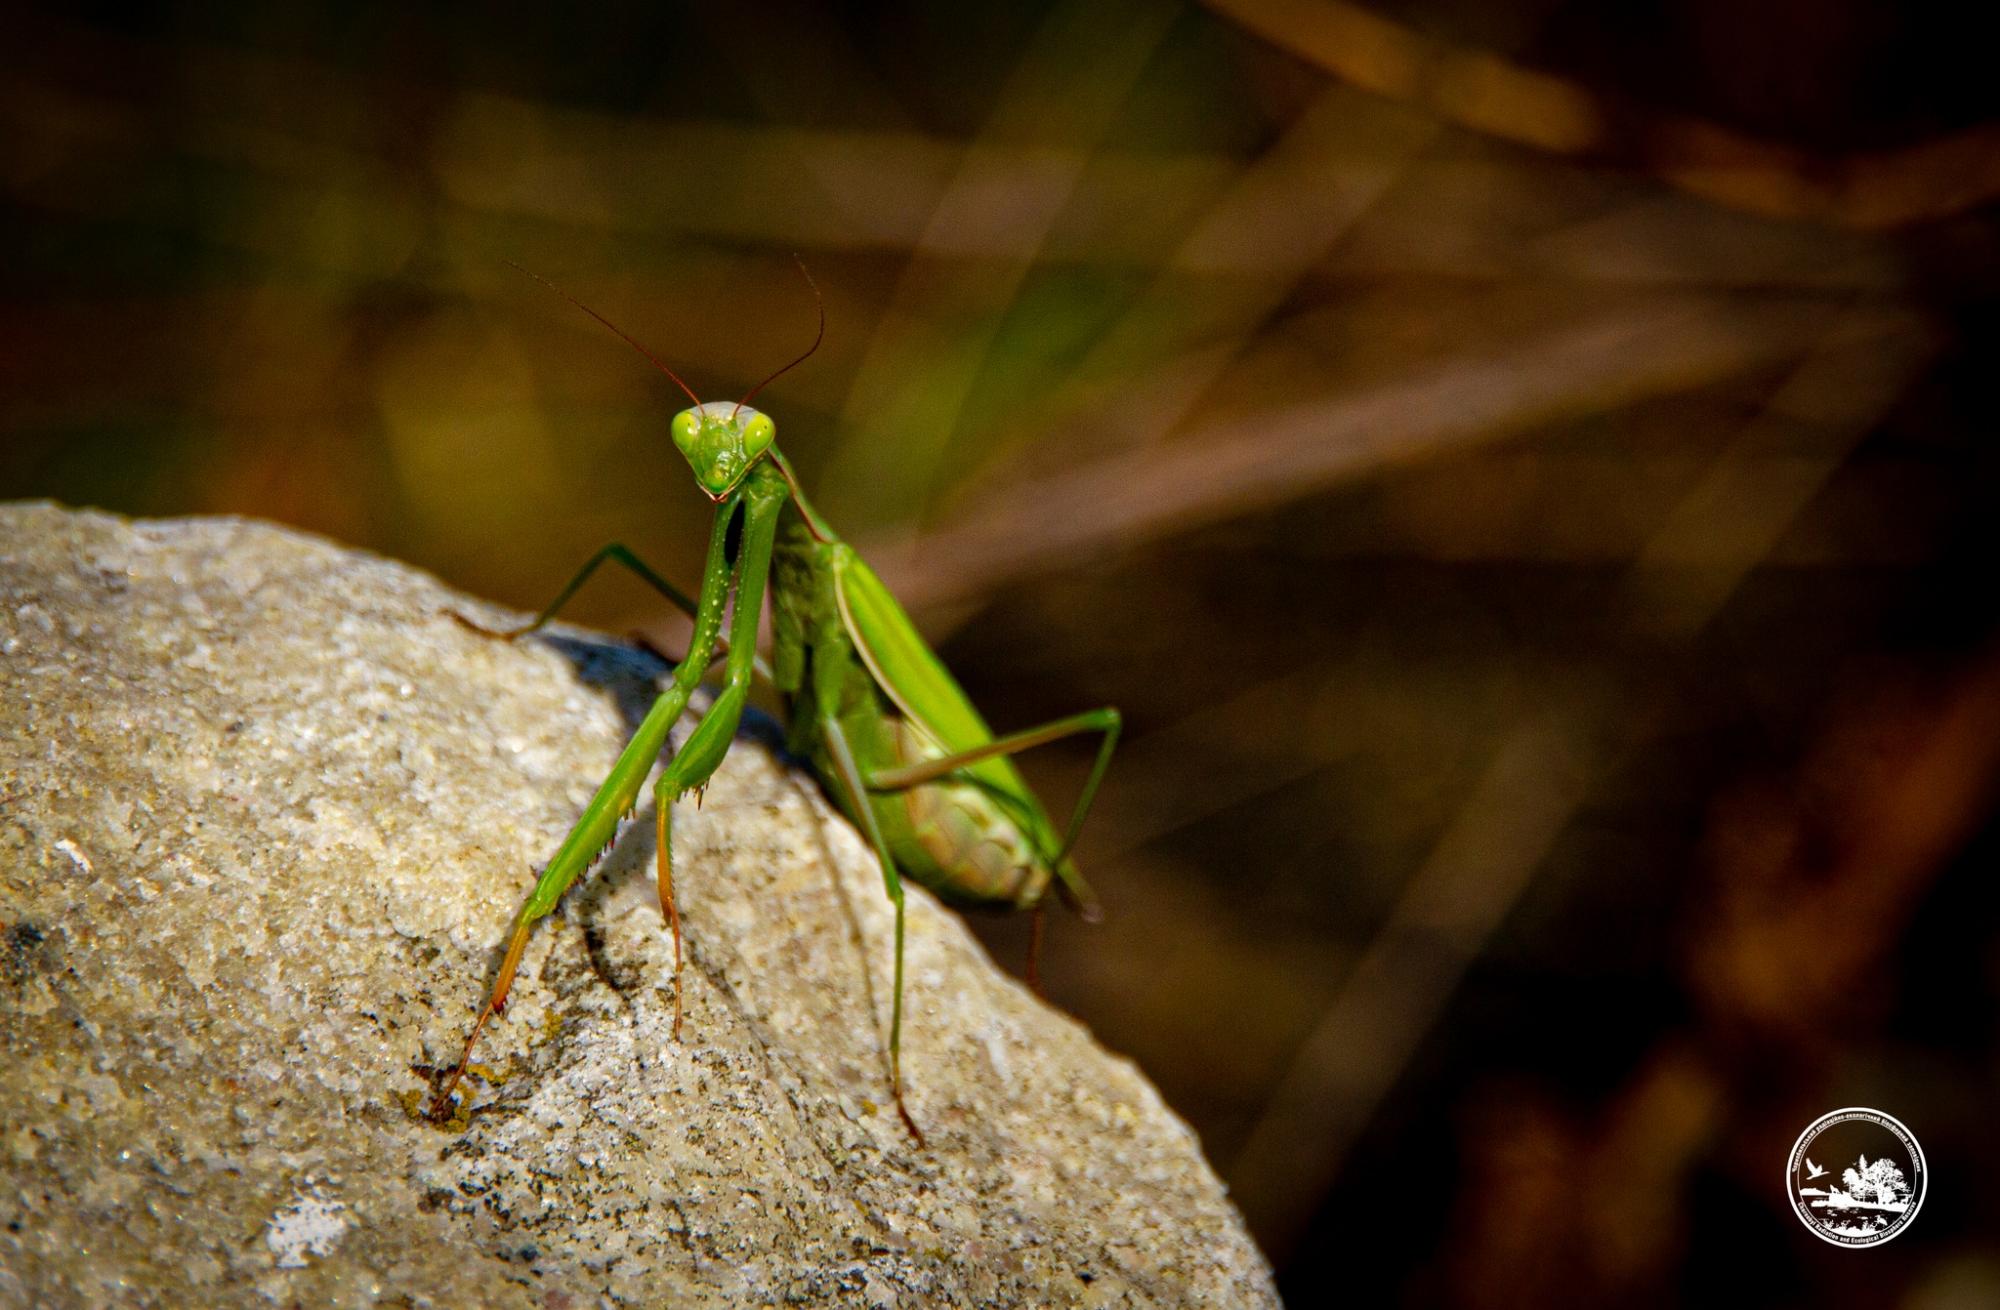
264, 815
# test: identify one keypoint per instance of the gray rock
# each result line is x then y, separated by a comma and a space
267, 813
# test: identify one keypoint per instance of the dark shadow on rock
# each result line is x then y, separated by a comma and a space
635, 677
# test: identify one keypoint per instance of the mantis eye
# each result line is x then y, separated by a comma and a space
757, 435
686, 428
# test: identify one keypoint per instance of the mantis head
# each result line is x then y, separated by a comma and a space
722, 442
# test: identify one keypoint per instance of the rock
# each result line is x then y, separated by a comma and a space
267, 813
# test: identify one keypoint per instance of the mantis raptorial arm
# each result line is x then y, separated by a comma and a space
699, 756
615, 797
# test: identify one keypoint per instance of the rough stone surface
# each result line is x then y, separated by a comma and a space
264, 815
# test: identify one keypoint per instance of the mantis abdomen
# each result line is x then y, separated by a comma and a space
957, 840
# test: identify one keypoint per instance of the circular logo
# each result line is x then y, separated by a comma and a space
1856, 1177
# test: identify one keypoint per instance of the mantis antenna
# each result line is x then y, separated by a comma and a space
629, 340
820, 302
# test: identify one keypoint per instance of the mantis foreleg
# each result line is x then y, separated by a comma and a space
699, 756
616, 795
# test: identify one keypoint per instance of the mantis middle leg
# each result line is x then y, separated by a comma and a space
616, 552
842, 756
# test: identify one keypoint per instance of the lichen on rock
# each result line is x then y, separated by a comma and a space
265, 813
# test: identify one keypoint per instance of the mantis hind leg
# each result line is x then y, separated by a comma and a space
1036, 926
850, 777
1104, 720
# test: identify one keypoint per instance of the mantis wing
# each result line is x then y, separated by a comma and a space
911, 675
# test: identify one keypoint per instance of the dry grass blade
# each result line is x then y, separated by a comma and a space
1246, 462
1484, 92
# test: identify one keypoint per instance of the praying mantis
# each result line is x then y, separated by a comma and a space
895, 740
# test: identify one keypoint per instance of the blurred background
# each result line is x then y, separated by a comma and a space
1526, 473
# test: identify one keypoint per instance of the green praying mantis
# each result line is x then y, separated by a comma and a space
895, 740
